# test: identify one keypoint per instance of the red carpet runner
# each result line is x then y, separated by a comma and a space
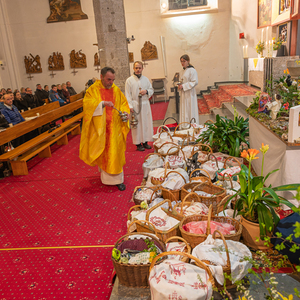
62, 203
159, 110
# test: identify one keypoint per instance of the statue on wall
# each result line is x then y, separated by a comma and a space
131, 59
56, 62
96, 59
65, 10
77, 59
149, 51
33, 64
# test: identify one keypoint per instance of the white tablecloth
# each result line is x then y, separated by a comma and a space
255, 64
280, 156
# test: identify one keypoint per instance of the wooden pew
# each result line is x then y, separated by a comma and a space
41, 110
76, 97
40, 145
20, 129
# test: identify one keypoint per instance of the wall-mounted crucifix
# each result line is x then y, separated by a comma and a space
52, 74
74, 72
30, 77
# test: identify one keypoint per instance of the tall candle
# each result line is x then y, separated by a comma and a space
267, 33
270, 47
262, 35
246, 51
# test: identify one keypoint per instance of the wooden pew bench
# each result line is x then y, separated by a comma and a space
41, 110
40, 145
76, 97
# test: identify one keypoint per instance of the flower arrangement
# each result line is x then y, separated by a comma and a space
260, 47
277, 43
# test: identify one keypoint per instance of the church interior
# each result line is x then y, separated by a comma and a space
62, 229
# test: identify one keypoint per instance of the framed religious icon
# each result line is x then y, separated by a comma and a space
65, 10
264, 13
296, 7
283, 32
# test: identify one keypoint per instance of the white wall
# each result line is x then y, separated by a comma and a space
204, 37
30, 33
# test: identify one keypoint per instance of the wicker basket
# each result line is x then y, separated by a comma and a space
197, 261
155, 146
218, 194
162, 127
226, 268
134, 275
176, 193
202, 151
202, 178
138, 201
147, 226
187, 248
159, 181
182, 135
195, 239
220, 177
174, 152
146, 170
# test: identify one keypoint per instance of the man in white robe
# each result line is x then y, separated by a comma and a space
188, 95
138, 90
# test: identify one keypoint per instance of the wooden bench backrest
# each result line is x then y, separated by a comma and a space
41, 109
47, 100
20, 129
76, 97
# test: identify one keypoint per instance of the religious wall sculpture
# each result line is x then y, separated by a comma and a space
149, 51
56, 62
131, 59
33, 64
65, 10
77, 59
96, 59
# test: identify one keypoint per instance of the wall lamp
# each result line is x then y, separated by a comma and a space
130, 39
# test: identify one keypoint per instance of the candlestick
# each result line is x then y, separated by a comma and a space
270, 47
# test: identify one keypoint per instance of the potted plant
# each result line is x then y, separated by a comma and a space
256, 203
260, 48
226, 135
276, 45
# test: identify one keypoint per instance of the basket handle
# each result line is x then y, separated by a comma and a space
188, 247
165, 143
162, 127
234, 158
129, 211
208, 219
169, 118
169, 193
186, 197
167, 133
172, 148
178, 174
209, 121
204, 145
208, 178
199, 263
225, 245
178, 126
198, 185
141, 223
154, 191
210, 154
224, 200
156, 206
143, 187
148, 155
192, 120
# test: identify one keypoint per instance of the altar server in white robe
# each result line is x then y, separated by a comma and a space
188, 95
136, 85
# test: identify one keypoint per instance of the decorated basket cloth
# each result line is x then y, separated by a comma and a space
134, 275
172, 245
211, 166
148, 168
203, 155
163, 137
230, 255
138, 189
183, 133
168, 148
166, 132
217, 194
175, 161
157, 181
149, 224
195, 239
227, 170
175, 280
175, 193
188, 200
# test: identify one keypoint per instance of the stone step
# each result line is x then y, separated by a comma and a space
222, 112
240, 107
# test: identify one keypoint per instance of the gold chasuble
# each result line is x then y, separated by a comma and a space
103, 138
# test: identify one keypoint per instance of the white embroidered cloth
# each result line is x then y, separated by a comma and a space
213, 250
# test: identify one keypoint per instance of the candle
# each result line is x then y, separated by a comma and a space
262, 35
270, 47
267, 33
246, 51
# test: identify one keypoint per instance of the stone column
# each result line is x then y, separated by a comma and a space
111, 35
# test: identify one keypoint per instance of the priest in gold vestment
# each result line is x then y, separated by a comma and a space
103, 136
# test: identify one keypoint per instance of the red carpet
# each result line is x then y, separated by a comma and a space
225, 93
62, 203
159, 110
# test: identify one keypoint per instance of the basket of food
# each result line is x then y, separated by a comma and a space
232, 256
177, 243
195, 229
231, 172
168, 148
184, 130
171, 279
163, 137
173, 185
203, 154
160, 222
151, 162
144, 193
165, 133
132, 256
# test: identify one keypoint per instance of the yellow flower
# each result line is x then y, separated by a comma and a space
285, 298
250, 154
264, 148
244, 298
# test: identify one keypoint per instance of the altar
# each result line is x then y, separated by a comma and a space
281, 155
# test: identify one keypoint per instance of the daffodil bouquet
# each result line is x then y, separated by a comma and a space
277, 43
260, 47
255, 202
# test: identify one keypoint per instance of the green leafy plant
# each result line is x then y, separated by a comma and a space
226, 135
255, 202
